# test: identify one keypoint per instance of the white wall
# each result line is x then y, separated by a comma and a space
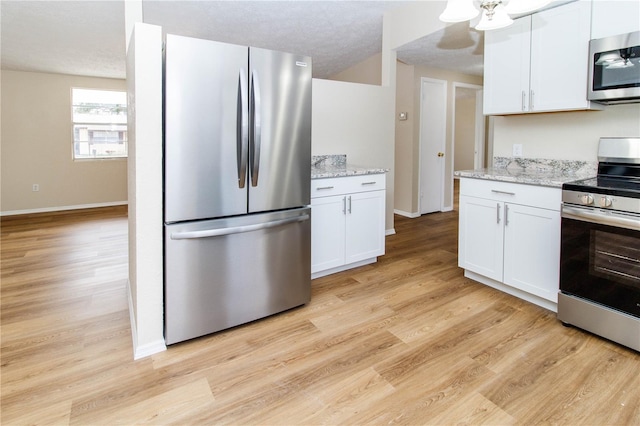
564, 135
356, 120
37, 135
146, 290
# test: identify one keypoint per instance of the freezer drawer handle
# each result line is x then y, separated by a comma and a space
256, 134
242, 133
236, 229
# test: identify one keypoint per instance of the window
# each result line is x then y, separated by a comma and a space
99, 123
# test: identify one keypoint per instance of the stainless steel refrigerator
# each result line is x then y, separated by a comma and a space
237, 155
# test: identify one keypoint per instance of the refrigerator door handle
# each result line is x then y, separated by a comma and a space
236, 229
242, 134
257, 128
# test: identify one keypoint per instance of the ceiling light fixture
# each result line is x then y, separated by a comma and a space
495, 13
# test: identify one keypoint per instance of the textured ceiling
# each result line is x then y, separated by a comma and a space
87, 37
458, 47
66, 37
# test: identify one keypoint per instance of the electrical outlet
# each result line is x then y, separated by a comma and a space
35, 187
517, 150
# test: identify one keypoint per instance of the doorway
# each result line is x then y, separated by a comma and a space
467, 127
433, 118
467, 132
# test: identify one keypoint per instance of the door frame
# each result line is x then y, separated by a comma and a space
479, 131
442, 148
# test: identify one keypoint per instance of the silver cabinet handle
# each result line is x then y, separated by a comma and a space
242, 132
495, 191
498, 213
532, 93
320, 188
524, 97
190, 235
506, 215
256, 134
369, 183
349, 204
344, 205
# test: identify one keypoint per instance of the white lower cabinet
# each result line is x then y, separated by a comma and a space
347, 222
509, 238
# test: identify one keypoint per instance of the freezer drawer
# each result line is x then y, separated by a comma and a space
226, 272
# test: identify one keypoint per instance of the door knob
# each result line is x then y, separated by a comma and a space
441, 154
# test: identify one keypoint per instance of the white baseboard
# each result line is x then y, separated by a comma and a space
407, 214
532, 298
343, 268
447, 209
391, 231
148, 349
63, 208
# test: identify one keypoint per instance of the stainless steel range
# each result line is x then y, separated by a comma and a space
600, 249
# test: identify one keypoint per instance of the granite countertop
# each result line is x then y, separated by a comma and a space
330, 166
552, 173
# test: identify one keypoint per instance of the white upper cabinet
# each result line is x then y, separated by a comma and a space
506, 68
540, 63
560, 58
613, 17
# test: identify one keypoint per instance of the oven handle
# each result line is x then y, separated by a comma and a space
611, 219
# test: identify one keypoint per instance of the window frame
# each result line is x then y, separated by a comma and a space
99, 126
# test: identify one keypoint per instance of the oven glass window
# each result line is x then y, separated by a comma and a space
615, 257
601, 263
617, 69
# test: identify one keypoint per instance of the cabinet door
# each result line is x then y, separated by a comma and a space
480, 239
506, 68
559, 57
610, 18
532, 250
365, 225
327, 232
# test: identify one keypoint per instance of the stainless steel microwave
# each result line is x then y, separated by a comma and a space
614, 69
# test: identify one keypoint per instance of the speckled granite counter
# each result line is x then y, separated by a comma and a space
330, 166
541, 172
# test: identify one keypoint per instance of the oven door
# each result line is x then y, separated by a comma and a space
600, 257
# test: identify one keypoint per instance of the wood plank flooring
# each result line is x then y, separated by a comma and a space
407, 340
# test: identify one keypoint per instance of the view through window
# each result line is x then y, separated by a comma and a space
99, 123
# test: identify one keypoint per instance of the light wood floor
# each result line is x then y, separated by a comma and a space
408, 340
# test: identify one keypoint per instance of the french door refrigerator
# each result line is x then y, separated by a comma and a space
237, 158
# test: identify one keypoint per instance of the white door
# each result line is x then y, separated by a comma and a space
433, 116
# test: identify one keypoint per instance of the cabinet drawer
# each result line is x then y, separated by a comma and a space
346, 185
531, 195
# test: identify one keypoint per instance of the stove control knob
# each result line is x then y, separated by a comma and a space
605, 202
586, 199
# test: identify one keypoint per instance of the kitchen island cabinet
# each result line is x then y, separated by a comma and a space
509, 238
347, 222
